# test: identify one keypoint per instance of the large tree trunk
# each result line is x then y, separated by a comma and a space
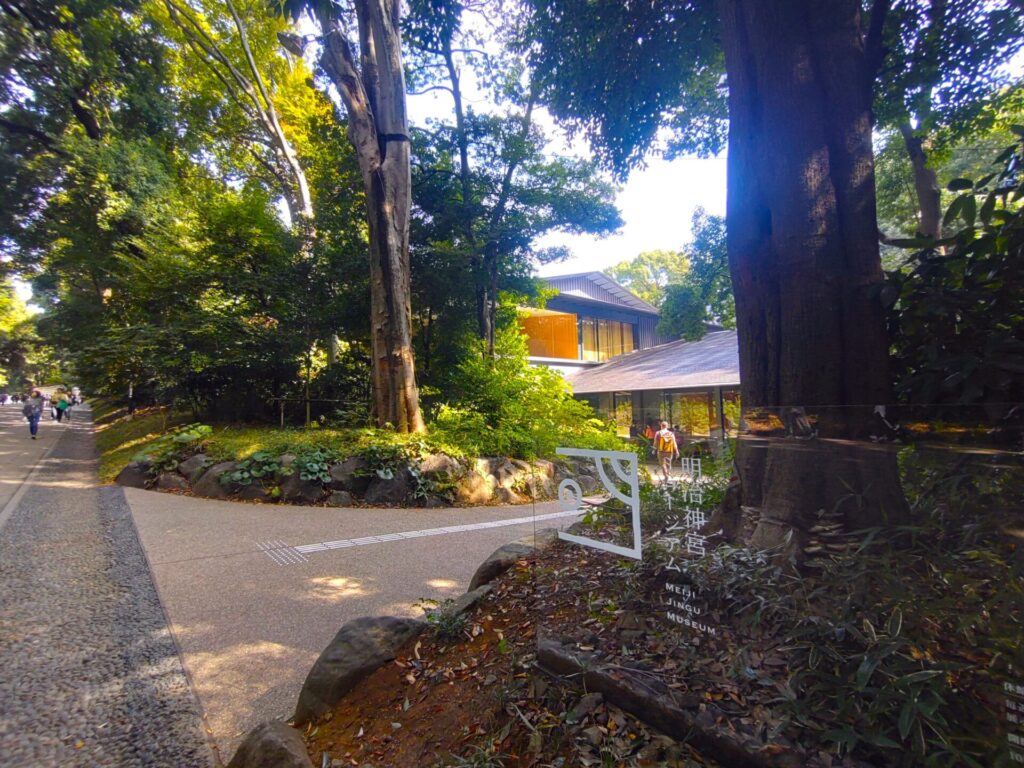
926, 185
374, 96
803, 252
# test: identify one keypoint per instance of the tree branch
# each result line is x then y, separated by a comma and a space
42, 137
874, 50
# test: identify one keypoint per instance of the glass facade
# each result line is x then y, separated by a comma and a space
562, 335
605, 339
551, 334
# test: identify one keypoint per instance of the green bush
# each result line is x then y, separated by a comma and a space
506, 407
164, 454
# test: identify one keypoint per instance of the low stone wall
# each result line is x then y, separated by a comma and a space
437, 480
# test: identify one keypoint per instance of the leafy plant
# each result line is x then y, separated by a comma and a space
443, 621
315, 464
257, 467
957, 307
165, 453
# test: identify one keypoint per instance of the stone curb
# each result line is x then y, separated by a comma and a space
360, 648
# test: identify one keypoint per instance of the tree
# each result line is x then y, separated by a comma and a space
648, 274
373, 91
486, 186
941, 80
801, 234
704, 294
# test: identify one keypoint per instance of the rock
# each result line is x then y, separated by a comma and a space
588, 484
286, 459
545, 468
508, 496
272, 745
294, 488
463, 603
475, 488
339, 499
255, 492
360, 647
193, 467
171, 481
500, 561
433, 501
508, 474
352, 475
134, 476
439, 465
209, 485
540, 487
394, 491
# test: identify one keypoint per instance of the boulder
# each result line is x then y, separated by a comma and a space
433, 501
508, 496
545, 468
171, 481
352, 475
272, 745
339, 499
294, 488
193, 467
209, 485
135, 475
361, 646
463, 603
439, 465
506, 556
475, 488
395, 490
540, 487
588, 484
501, 560
510, 473
255, 492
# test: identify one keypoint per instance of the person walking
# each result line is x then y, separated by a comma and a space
62, 407
667, 449
33, 411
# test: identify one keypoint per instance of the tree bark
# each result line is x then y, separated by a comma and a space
926, 185
374, 96
805, 264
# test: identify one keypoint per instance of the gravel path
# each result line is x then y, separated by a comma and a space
89, 673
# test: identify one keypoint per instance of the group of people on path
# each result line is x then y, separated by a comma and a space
60, 405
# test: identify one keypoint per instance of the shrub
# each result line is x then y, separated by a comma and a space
506, 407
165, 453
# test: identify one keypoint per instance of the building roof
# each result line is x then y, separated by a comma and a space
713, 361
601, 288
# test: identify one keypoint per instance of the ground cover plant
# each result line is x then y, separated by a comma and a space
880, 647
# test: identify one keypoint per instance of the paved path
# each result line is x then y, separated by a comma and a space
89, 673
255, 592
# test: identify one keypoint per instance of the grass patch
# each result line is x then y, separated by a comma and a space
120, 436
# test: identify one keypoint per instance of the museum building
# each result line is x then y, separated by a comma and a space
605, 341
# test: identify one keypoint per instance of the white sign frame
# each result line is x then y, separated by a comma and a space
570, 493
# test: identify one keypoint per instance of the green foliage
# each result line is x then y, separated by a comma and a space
316, 464
506, 407
445, 623
704, 293
165, 453
957, 307
260, 467
648, 274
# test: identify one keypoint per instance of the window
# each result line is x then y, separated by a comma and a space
550, 334
605, 339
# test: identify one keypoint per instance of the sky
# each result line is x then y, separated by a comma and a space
656, 203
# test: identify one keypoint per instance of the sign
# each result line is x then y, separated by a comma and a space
624, 466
